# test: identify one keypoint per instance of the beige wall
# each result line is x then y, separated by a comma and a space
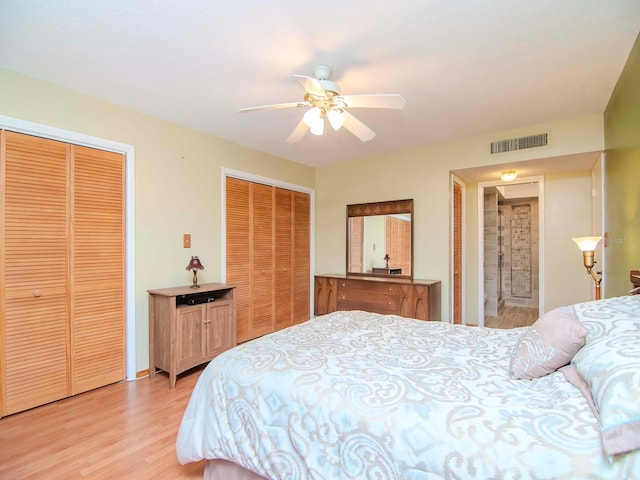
177, 181
423, 174
567, 213
622, 178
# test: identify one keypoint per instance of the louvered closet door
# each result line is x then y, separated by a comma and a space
34, 271
301, 255
262, 284
283, 258
97, 282
268, 255
457, 253
238, 194
356, 235
398, 243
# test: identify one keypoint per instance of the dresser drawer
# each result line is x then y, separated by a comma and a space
363, 286
362, 300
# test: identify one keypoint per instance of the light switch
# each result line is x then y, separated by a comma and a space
186, 240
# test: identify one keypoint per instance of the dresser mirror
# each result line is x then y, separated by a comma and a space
380, 238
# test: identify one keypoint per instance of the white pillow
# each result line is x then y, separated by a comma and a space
610, 363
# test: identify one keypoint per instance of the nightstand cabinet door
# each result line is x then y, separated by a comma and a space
191, 338
220, 329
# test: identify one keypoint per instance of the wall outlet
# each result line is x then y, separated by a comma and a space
186, 240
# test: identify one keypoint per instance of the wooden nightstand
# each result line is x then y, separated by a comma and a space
189, 326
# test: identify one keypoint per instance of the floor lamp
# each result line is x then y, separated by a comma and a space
588, 247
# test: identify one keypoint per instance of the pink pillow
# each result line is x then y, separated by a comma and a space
550, 343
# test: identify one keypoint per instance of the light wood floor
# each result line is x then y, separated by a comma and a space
125, 430
512, 317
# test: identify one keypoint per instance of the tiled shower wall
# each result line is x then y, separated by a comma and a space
515, 238
520, 239
491, 272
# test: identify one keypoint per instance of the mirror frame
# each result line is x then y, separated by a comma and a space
388, 207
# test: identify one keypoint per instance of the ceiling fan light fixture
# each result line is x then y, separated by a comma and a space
326, 103
336, 118
318, 128
312, 117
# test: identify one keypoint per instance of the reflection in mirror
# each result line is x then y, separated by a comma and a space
379, 238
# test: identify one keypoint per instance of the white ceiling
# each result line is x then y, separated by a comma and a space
465, 67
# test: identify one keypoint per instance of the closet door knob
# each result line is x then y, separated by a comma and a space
37, 293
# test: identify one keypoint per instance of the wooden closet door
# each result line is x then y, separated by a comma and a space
62, 257
356, 236
457, 253
301, 256
268, 255
35, 268
398, 243
262, 280
250, 260
238, 226
283, 258
392, 242
98, 279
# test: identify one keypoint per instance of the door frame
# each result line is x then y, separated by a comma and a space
67, 136
599, 224
481, 186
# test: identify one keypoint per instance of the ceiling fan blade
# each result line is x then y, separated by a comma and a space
311, 85
298, 132
358, 128
274, 106
376, 100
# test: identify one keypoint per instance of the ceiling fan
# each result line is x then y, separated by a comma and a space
327, 104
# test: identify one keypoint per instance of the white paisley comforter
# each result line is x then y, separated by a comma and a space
356, 395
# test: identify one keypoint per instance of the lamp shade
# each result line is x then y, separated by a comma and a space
336, 118
587, 244
312, 117
318, 128
315, 120
195, 264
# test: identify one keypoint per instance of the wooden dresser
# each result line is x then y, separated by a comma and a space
398, 296
189, 326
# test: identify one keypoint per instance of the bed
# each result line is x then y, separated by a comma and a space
357, 395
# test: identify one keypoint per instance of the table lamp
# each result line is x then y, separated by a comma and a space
195, 265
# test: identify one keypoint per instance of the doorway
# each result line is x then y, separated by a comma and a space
510, 250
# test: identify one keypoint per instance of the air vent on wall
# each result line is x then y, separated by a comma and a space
521, 143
